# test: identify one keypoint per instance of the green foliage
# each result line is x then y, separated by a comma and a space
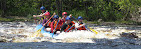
5, 19
107, 10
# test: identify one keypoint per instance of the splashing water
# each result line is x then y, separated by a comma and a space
22, 31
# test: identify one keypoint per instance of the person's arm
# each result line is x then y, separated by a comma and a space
81, 25
41, 15
38, 15
77, 25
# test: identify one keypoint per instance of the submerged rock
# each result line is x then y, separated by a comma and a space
129, 35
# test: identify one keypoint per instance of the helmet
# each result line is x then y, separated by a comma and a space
56, 16
68, 18
80, 17
64, 13
42, 8
47, 14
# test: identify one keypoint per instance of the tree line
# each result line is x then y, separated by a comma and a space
107, 10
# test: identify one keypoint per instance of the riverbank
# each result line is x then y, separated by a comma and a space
23, 19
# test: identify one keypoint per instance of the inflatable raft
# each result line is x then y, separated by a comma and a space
45, 33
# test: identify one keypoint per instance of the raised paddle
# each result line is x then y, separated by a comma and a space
38, 32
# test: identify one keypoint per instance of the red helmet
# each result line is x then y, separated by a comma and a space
64, 13
47, 14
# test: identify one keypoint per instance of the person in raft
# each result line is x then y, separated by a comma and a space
46, 17
43, 10
56, 25
63, 19
80, 25
68, 25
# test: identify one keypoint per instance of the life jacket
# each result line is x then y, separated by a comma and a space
81, 28
62, 22
42, 18
45, 20
53, 25
69, 27
58, 26
49, 24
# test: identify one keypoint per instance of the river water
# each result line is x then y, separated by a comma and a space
17, 35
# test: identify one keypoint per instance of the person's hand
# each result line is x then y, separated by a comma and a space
54, 13
54, 30
73, 25
70, 15
63, 17
59, 18
34, 15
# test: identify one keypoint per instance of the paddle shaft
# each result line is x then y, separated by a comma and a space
74, 17
69, 28
48, 20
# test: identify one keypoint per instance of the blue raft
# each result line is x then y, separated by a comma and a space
43, 31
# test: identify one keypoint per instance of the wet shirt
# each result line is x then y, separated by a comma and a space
45, 20
62, 22
42, 18
64, 26
47, 25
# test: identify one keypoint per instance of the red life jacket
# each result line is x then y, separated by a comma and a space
62, 22
69, 27
58, 26
53, 25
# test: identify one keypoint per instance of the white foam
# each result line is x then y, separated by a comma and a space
75, 34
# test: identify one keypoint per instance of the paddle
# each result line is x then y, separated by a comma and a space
55, 27
74, 17
38, 32
69, 28
91, 29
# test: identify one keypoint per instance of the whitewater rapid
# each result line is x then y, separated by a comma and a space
21, 32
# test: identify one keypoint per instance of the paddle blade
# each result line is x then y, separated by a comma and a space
93, 30
37, 34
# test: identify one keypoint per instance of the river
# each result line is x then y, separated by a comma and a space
17, 35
